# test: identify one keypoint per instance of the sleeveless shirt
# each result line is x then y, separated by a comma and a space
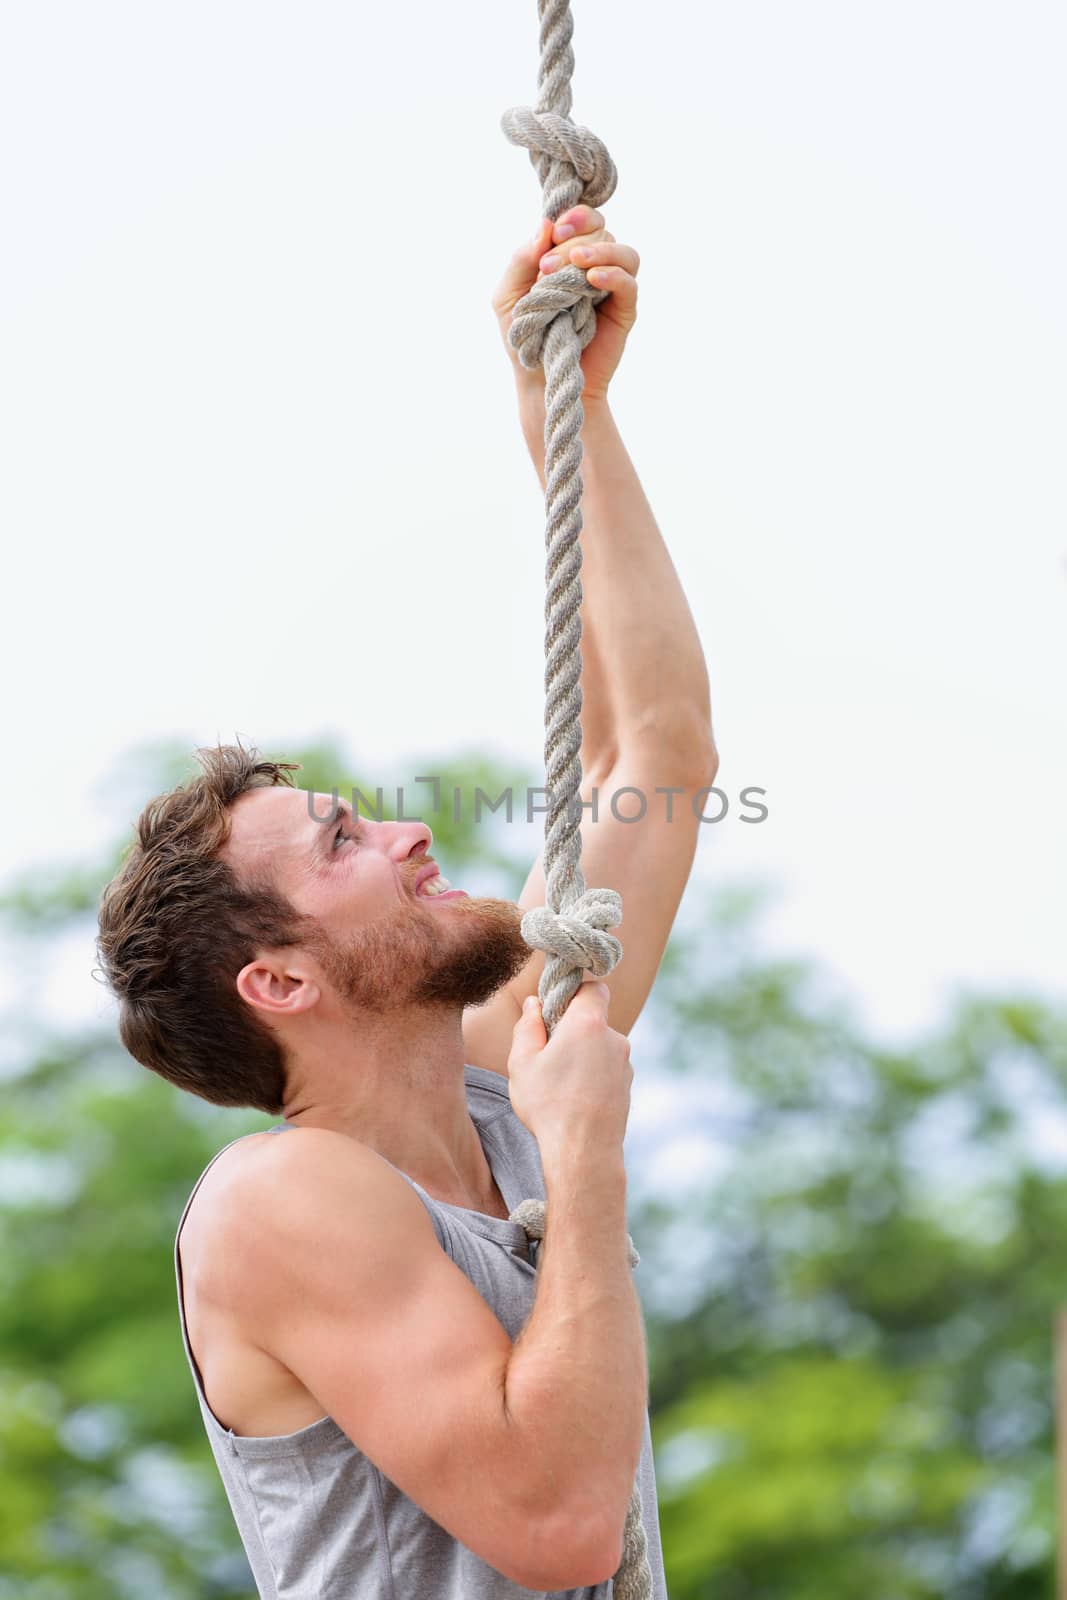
317, 1518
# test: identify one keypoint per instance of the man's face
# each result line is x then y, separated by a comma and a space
384, 940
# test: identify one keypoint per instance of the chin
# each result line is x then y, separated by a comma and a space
489, 951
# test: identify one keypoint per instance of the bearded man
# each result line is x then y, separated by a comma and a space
405, 1395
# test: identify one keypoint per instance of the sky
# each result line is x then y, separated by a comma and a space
264, 477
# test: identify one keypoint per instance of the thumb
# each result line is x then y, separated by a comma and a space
522, 270
530, 1026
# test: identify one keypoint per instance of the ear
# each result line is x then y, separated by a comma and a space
277, 987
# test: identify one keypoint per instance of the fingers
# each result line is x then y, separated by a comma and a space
621, 288
608, 265
597, 258
597, 985
578, 238
591, 996
578, 220
529, 1035
530, 1019
520, 274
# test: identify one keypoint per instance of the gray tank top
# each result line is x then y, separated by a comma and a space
317, 1519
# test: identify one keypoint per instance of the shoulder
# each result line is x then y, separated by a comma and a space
277, 1175
241, 1173
271, 1199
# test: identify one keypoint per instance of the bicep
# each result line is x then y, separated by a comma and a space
351, 1290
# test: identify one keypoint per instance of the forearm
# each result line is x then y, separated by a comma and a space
577, 1381
646, 679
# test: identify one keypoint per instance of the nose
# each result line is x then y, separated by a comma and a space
403, 841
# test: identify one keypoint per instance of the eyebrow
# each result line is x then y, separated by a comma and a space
327, 830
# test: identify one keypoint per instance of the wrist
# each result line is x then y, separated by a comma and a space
531, 403
572, 1160
597, 423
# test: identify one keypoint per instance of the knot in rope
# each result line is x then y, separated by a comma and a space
586, 172
550, 327
576, 935
566, 292
555, 139
530, 1214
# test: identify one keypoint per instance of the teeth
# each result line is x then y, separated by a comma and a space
438, 885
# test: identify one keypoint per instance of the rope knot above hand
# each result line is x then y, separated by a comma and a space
574, 167
550, 138
576, 935
550, 326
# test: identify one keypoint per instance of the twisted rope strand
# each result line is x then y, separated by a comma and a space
551, 326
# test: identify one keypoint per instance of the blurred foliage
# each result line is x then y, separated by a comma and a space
855, 1398
849, 1307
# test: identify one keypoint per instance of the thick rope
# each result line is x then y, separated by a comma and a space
550, 327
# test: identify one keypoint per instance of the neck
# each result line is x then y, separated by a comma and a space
395, 1083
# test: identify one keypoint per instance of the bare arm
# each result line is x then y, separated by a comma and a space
646, 727
644, 679
524, 1453
586, 1319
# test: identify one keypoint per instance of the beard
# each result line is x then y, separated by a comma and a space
454, 958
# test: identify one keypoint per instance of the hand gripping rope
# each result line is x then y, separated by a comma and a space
551, 326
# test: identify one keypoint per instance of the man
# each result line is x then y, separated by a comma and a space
387, 1425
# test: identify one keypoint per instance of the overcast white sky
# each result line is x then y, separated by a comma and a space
253, 402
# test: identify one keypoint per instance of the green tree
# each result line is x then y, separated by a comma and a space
854, 1396
849, 1310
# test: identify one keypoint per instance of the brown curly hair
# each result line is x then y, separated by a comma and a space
176, 927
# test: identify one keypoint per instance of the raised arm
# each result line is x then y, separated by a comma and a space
646, 712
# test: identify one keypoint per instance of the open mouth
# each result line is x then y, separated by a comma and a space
435, 886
